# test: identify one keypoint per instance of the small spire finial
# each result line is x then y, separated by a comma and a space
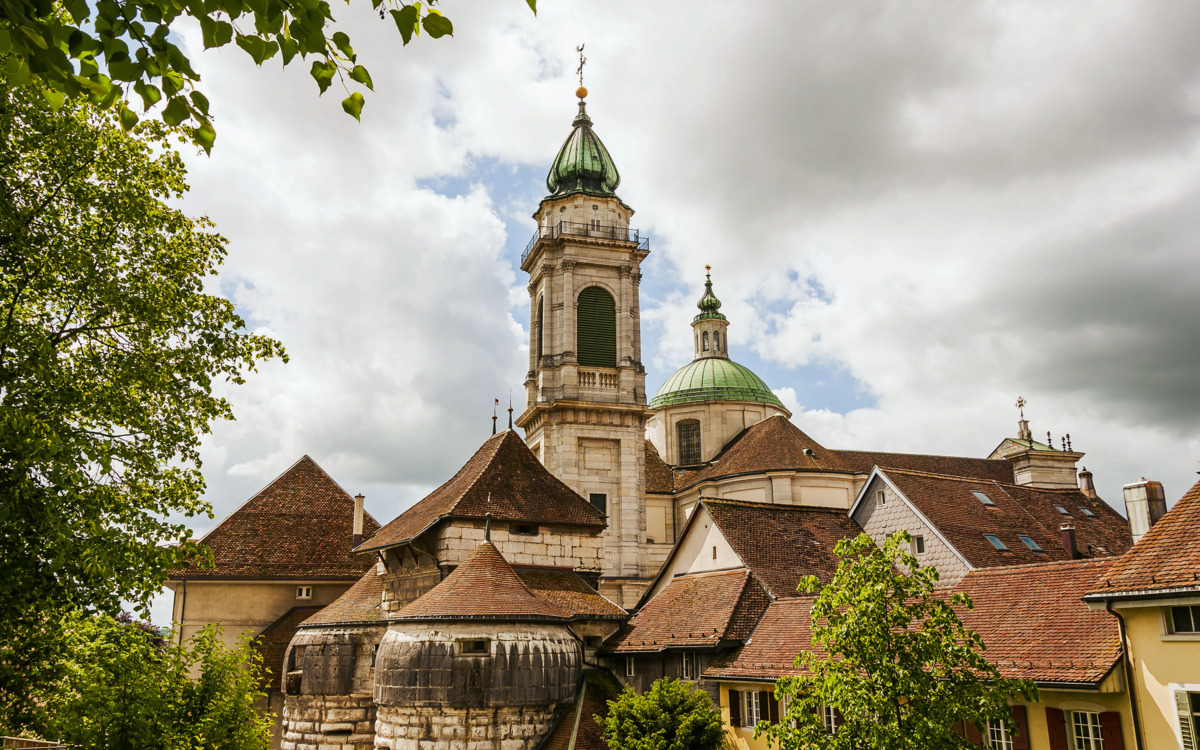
1021, 405
581, 92
510, 409
494, 408
1049, 440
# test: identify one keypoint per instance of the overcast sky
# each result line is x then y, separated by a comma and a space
915, 213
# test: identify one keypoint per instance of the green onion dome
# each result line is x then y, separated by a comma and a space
713, 379
708, 304
583, 164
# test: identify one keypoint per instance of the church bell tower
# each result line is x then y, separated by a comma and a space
586, 390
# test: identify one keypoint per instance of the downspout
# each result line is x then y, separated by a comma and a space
1131, 678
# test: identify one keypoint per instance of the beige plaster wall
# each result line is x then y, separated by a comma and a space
1162, 663
704, 548
243, 607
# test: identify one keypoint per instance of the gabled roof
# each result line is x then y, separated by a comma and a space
273, 642
695, 610
298, 527
783, 632
578, 729
659, 478
774, 444
1166, 559
962, 519
359, 605
483, 587
503, 478
570, 593
1034, 625
995, 469
781, 544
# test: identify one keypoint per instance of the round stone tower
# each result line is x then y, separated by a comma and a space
477, 661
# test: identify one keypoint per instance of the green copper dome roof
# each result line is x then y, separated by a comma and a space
583, 164
713, 379
708, 304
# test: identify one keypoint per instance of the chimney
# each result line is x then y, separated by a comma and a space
1086, 485
357, 536
1145, 503
1023, 430
1068, 537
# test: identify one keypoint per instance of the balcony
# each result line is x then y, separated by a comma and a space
592, 231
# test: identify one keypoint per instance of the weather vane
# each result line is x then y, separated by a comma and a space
582, 62
1021, 405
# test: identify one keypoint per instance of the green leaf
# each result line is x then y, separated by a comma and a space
124, 70
78, 9
149, 93
201, 102
532, 6
129, 118
215, 33
322, 73
176, 111
437, 25
256, 47
360, 74
172, 83
289, 47
205, 135
353, 105
342, 42
406, 20
53, 98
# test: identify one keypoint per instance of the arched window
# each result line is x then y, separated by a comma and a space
539, 331
596, 328
704, 340
716, 341
688, 431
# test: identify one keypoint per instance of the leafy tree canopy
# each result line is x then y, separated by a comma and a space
109, 50
110, 342
671, 715
891, 657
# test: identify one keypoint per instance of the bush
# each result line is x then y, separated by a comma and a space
670, 716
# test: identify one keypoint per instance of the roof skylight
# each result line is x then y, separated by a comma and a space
1087, 513
996, 542
1029, 543
1062, 510
982, 497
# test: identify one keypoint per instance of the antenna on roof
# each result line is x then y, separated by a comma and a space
487, 525
510, 409
494, 408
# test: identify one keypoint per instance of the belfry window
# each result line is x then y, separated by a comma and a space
704, 339
596, 328
688, 432
716, 341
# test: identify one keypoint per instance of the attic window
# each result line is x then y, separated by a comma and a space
304, 592
1062, 510
1029, 543
474, 647
1087, 513
982, 497
919, 545
996, 542
523, 529
880, 497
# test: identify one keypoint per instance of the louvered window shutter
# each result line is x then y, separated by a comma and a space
735, 708
1187, 730
973, 734
1110, 731
596, 329
1056, 726
1021, 720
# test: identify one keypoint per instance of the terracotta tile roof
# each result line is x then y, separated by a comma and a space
503, 478
659, 477
699, 609
297, 527
959, 516
802, 539
578, 729
995, 469
1166, 558
359, 605
1036, 627
784, 631
774, 444
273, 641
570, 593
483, 587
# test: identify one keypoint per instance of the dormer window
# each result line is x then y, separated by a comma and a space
995, 540
983, 498
304, 592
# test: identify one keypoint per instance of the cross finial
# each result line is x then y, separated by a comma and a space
1021, 405
582, 62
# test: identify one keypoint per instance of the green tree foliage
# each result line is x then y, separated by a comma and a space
124, 687
892, 657
109, 50
670, 716
110, 342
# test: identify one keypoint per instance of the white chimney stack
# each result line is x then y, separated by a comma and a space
1145, 503
357, 537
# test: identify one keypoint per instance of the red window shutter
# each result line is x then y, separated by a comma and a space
1056, 725
973, 735
735, 708
768, 699
960, 728
1110, 730
1021, 720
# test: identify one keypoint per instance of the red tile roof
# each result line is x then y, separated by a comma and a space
962, 519
570, 593
784, 631
273, 641
1166, 558
358, 606
483, 587
783, 543
503, 478
774, 444
578, 728
659, 477
298, 527
995, 469
699, 609
1036, 627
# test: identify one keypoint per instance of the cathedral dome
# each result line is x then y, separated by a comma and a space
713, 379
583, 164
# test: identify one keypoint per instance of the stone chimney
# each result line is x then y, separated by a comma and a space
357, 535
1068, 539
1145, 503
1086, 485
1023, 430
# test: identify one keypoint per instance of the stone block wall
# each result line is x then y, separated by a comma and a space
328, 722
335, 660
464, 729
552, 546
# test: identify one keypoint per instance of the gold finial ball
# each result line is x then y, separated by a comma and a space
581, 92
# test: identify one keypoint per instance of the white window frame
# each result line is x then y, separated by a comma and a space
828, 718
751, 710
630, 668
689, 665
919, 544
997, 735
304, 592
880, 498
1085, 730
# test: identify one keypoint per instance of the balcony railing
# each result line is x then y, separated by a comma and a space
594, 231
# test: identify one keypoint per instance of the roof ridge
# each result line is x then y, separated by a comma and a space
920, 455
780, 506
483, 469
1003, 569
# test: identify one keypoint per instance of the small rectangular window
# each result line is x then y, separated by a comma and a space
881, 497
919, 545
982, 497
1029, 543
1062, 510
1085, 730
750, 708
688, 432
304, 592
474, 647
829, 719
600, 501
996, 542
689, 665
1087, 512
629, 666
523, 529
1185, 619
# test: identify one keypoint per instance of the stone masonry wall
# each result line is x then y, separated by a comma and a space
463, 729
881, 522
552, 546
328, 722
